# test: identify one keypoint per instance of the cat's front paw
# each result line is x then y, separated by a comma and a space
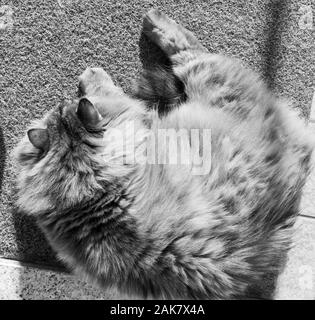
96, 81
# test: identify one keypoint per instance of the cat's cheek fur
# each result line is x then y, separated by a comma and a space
32, 204
30, 200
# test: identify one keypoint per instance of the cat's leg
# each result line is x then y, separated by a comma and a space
211, 79
172, 86
97, 82
178, 43
189, 58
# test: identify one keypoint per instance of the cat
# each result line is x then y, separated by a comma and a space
157, 230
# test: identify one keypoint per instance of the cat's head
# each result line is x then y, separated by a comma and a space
65, 158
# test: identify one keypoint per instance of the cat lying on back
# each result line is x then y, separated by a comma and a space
158, 230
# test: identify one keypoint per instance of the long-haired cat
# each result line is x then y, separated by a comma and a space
159, 229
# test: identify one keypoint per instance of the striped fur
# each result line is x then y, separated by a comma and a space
159, 88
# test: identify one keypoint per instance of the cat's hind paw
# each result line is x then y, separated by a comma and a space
167, 34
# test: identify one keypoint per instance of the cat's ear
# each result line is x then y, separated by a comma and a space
88, 114
39, 138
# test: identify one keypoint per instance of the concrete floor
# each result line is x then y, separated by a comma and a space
45, 45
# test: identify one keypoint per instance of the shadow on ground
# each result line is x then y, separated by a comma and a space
277, 13
34, 249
